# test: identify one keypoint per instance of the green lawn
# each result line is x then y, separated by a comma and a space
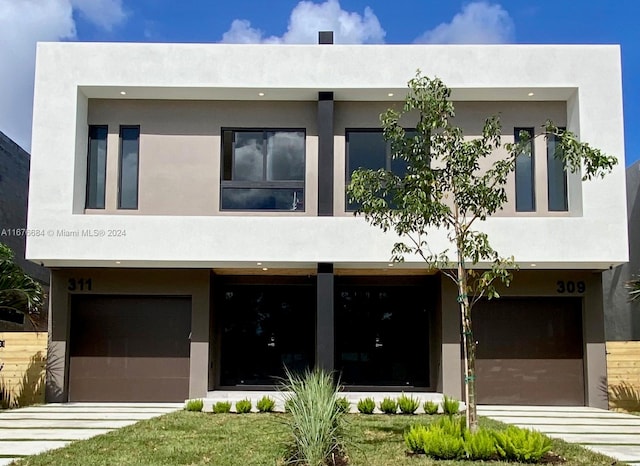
184, 438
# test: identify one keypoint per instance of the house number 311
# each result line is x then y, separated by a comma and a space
79, 284
570, 287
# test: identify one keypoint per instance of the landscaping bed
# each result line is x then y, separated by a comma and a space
194, 438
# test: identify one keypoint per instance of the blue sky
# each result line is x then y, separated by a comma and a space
23, 22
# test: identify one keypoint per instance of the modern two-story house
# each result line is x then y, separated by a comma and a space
190, 202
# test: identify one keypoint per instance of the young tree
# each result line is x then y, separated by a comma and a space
445, 188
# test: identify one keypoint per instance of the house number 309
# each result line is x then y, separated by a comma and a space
570, 287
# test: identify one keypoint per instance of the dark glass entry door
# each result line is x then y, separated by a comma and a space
382, 334
262, 329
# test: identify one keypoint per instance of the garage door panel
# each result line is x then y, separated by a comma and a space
529, 351
556, 382
113, 390
176, 367
129, 348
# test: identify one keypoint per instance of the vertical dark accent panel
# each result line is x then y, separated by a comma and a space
325, 37
325, 154
324, 318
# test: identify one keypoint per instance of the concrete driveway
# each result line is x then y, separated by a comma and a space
33, 430
607, 432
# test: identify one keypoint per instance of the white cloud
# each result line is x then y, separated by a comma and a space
22, 24
241, 32
477, 23
103, 13
307, 18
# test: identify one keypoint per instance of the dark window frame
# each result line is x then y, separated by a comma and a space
565, 182
388, 157
516, 133
225, 171
120, 154
90, 166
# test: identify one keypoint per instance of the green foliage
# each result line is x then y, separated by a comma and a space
388, 406
452, 182
366, 405
243, 406
6, 397
222, 407
523, 445
266, 404
414, 438
633, 286
450, 406
452, 425
18, 291
408, 404
430, 407
440, 445
316, 421
343, 404
480, 445
194, 405
449, 438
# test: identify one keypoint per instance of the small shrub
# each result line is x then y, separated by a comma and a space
222, 407
430, 407
388, 406
481, 445
450, 406
408, 404
414, 438
452, 425
523, 445
440, 445
194, 405
366, 405
343, 404
287, 405
243, 406
266, 404
443, 439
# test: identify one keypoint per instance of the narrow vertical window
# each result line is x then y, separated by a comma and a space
129, 163
556, 176
525, 187
96, 167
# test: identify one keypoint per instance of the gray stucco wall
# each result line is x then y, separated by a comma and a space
14, 190
622, 319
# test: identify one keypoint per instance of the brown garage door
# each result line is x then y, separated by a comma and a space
129, 348
529, 351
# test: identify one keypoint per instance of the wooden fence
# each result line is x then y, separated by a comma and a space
623, 373
23, 357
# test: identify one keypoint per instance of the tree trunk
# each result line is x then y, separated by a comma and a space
469, 347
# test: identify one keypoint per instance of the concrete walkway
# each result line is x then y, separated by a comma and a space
607, 432
33, 430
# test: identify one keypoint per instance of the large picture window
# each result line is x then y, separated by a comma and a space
525, 187
96, 167
263, 169
367, 148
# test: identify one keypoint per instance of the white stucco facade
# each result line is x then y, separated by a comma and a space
593, 235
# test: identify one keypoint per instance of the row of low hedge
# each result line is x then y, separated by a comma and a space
406, 405
264, 405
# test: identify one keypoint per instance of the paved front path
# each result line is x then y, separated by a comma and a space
607, 432
33, 430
